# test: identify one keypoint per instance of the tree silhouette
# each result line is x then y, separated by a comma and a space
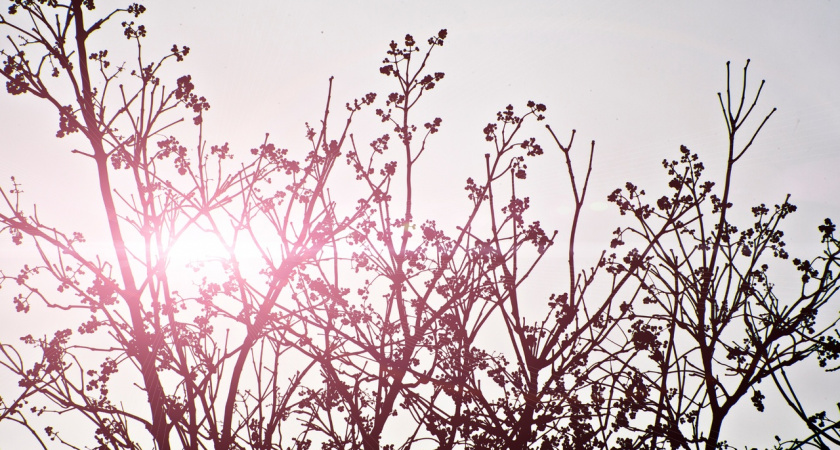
335, 315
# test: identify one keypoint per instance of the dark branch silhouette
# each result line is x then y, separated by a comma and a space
335, 315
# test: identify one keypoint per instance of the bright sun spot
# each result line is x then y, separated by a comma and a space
197, 247
202, 252
193, 251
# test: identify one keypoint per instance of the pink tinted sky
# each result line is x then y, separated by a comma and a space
639, 78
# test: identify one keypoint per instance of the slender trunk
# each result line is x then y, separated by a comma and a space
144, 352
282, 278
714, 430
522, 432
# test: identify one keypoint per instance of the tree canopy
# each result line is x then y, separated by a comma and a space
275, 298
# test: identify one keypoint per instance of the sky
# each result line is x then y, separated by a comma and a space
639, 78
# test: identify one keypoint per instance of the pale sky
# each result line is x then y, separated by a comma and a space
640, 78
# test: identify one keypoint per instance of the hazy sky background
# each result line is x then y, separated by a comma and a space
640, 78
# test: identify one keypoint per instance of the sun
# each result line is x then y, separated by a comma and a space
191, 251
198, 248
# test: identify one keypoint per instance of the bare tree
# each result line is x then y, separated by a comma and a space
335, 315
711, 322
